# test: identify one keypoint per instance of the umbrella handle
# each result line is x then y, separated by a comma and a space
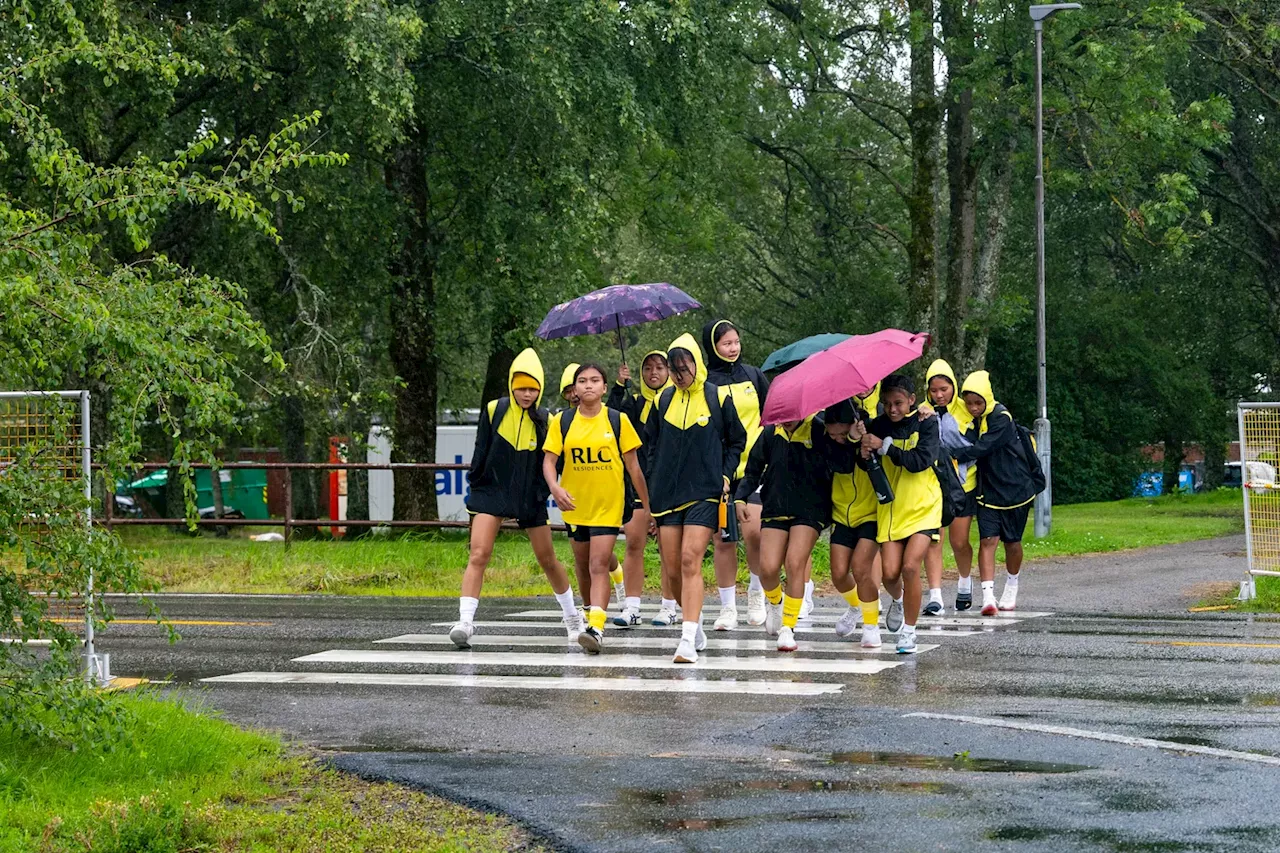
622, 344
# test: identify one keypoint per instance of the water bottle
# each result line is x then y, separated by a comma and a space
729, 529
879, 479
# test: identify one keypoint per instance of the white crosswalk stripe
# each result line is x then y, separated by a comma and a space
741, 662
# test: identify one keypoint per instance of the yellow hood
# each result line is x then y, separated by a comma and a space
869, 403
528, 363
686, 341
566, 378
979, 382
956, 407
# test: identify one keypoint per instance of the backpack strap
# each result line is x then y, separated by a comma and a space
498, 412
615, 424
566, 418
712, 394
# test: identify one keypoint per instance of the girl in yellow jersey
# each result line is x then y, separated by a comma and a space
953, 422
908, 448
598, 444
506, 482
749, 386
654, 379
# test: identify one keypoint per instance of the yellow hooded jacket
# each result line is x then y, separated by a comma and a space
694, 448
908, 463
957, 410
506, 466
1004, 481
747, 383
853, 499
637, 406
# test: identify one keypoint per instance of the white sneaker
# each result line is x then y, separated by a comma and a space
620, 594
848, 622
755, 607
685, 653
806, 608
461, 634
1009, 598
786, 640
573, 626
628, 618
700, 639
894, 616
989, 607
773, 619
727, 620
871, 637
665, 618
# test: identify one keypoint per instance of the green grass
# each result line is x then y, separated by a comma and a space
186, 781
432, 563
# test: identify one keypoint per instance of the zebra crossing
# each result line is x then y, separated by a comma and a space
528, 650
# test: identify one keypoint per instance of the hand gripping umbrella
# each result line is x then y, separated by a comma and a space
611, 308
847, 369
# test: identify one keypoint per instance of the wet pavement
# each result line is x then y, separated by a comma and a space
1116, 722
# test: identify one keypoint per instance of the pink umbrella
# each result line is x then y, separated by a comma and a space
849, 368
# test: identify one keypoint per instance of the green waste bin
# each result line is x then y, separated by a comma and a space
243, 489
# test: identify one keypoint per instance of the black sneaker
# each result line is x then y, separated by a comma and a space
590, 640
964, 600
933, 608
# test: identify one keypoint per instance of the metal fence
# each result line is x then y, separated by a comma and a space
289, 521
1259, 462
56, 423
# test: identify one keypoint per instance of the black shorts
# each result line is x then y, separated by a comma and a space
931, 532
629, 511
1008, 524
583, 533
849, 537
788, 523
752, 499
538, 520
700, 514
968, 509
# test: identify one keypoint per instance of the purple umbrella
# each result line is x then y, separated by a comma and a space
610, 308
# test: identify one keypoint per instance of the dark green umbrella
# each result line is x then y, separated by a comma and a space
792, 354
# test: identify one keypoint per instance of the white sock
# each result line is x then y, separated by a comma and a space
908, 629
633, 602
728, 596
755, 585
565, 600
1011, 582
689, 631
935, 594
808, 591
964, 584
669, 604
898, 600
467, 608
988, 586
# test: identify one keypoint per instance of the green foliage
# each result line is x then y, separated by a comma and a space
87, 303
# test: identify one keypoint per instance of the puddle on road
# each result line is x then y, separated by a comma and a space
702, 823
956, 762
1100, 839
731, 790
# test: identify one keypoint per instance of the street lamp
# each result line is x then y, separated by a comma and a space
1044, 501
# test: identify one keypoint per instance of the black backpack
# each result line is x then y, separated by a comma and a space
615, 424
953, 493
712, 395
1031, 458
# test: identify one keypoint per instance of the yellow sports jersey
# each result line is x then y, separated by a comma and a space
593, 473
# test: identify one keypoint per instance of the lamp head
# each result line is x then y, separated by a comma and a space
1041, 12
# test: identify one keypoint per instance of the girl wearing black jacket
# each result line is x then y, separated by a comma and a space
793, 464
506, 482
748, 386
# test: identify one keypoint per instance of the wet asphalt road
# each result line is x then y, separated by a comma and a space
664, 770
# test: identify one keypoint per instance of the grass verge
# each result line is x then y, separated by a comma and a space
432, 563
185, 781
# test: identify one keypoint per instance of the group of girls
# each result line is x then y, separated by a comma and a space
668, 459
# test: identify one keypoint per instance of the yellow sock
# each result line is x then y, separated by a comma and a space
773, 596
595, 618
852, 597
791, 610
870, 611
615, 576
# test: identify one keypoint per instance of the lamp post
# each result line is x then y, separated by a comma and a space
1044, 501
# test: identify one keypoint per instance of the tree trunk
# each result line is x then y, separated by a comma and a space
413, 336
987, 277
962, 181
358, 480
293, 448
1173, 456
501, 354
219, 505
1215, 462
925, 123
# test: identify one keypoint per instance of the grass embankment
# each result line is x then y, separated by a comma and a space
185, 781
432, 563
